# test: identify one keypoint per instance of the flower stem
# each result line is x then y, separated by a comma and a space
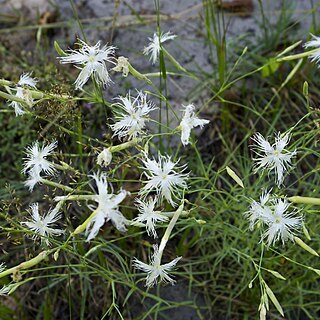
297, 56
12, 97
174, 61
57, 185
83, 226
167, 234
26, 264
123, 146
75, 197
305, 200
138, 75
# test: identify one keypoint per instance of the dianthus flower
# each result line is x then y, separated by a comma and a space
36, 158
272, 214
23, 92
155, 269
163, 178
131, 116
42, 225
107, 208
188, 122
92, 61
122, 66
273, 157
149, 216
281, 225
33, 178
259, 211
314, 43
154, 46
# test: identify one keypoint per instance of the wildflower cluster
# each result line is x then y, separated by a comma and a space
280, 224
159, 200
163, 178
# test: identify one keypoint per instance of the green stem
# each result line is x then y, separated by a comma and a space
83, 226
7, 83
57, 185
27, 264
12, 98
75, 197
80, 148
65, 167
298, 56
174, 61
124, 145
305, 200
167, 234
138, 75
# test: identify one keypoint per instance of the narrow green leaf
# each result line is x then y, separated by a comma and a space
306, 232
274, 300
290, 48
235, 177
59, 50
276, 274
305, 246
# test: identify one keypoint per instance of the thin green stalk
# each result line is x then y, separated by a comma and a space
26, 264
305, 200
84, 225
80, 147
75, 197
168, 231
56, 185
298, 56
12, 98
78, 20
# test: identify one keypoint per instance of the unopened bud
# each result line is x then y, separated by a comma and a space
104, 158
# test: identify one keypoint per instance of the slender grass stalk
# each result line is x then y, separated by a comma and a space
26, 264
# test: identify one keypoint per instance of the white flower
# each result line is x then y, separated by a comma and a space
154, 46
259, 211
42, 225
282, 225
2, 267
92, 61
104, 158
188, 122
163, 178
122, 66
33, 179
22, 92
36, 161
149, 216
155, 269
26, 80
274, 157
132, 115
107, 208
314, 43
4, 291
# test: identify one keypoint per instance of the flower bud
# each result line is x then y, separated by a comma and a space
104, 158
